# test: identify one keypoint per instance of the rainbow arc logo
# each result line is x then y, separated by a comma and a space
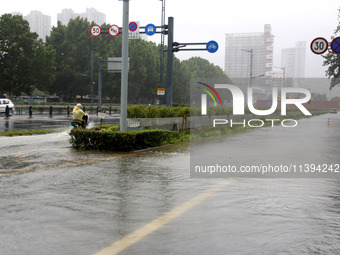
209, 93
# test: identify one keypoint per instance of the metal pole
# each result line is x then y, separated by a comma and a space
100, 83
125, 55
168, 92
1, 84
162, 51
91, 78
251, 68
284, 76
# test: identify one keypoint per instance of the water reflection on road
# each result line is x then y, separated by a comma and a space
78, 202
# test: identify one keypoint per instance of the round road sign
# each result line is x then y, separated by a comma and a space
335, 45
114, 30
212, 46
150, 29
95, 30
133, 26
319, 45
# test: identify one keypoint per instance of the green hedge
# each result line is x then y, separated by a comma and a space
145, 111
109, 139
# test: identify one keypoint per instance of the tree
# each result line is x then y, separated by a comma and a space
26, 62
202, 68
73, 44
144, 71
332, 60
195, 68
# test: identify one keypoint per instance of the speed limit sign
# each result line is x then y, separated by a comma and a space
319, 45
96, 30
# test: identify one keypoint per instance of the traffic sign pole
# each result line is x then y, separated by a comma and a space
169, 79
125, 55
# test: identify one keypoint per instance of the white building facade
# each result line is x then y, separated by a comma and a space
91, 14
294, 59
238, 56
39, 23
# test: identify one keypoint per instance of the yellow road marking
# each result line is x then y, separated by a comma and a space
139, 234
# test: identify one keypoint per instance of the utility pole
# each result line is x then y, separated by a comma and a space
125, 55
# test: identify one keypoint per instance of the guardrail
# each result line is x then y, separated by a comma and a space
58, 110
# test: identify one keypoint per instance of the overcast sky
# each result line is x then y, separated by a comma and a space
202, 21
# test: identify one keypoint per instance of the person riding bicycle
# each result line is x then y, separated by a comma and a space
79, 116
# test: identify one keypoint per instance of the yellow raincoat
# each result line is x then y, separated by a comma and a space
78, 114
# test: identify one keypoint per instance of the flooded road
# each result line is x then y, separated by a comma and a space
55, 200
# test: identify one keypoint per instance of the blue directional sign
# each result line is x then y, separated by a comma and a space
335, 45
150, 29
212, 46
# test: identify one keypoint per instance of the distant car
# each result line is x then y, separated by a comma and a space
6, 102
333, 110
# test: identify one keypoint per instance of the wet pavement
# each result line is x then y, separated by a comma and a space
56, 200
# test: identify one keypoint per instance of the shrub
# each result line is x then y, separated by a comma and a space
144, 111
110, 139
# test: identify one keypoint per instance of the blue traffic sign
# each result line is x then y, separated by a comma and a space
335, 45
150, 29
212, 46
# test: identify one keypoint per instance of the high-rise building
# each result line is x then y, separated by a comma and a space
39, 23
66, 15
293, 59
242, 49
91, 14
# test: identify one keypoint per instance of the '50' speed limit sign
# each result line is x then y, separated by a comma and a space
96, 30
319, 45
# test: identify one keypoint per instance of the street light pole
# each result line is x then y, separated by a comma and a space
251, 67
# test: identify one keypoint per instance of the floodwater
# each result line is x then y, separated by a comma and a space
56, 200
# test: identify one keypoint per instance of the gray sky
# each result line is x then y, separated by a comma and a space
202, 21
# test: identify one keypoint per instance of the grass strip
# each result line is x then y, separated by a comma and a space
31, 132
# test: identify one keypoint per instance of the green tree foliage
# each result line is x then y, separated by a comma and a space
144, 71
25, 61
332, 60
202, 68
73, 44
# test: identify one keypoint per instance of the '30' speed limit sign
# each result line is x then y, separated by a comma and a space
319, 45
96, 30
